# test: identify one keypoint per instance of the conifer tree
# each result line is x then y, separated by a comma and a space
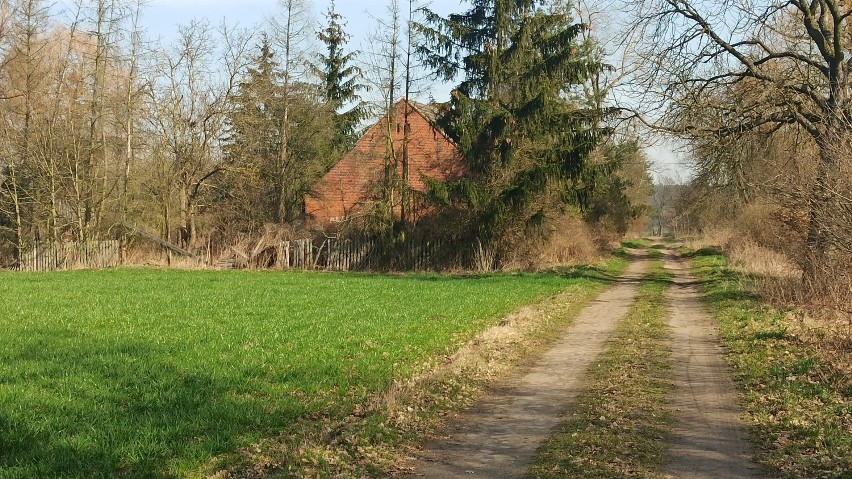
339, 81
272, 165
253, 143
516, 116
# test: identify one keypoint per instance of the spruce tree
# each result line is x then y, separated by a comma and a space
523, 131
279, 133
339, 81
254, 143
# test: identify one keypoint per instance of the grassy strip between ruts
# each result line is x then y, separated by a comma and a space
799, 407
617, 428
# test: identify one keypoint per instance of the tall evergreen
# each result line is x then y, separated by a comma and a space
254, 141
339, 81
515, 115
264, 184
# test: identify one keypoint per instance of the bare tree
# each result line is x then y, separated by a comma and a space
190, 99
721, 68
132, 99
392, 72
291, 31
24, 26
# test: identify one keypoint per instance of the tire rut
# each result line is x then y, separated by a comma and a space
708, 441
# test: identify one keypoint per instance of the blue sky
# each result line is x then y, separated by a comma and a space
161, 18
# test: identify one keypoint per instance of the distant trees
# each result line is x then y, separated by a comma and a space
100, 127
59, 114
220, 132
393, 75
622, 196
288, 126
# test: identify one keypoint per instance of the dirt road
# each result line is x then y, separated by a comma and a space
497, 438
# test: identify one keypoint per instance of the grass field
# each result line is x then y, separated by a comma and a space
148, 373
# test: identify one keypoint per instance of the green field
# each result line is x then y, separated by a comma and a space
148, 373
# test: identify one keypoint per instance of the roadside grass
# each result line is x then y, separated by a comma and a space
619, 425
636, 243
799, 405
159, 374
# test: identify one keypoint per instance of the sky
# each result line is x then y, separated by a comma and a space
161, 18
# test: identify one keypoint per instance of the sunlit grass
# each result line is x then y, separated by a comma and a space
147, 373
636, 243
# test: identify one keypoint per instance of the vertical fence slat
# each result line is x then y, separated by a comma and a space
55, 257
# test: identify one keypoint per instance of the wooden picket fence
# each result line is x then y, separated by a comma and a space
355, 255
76, 255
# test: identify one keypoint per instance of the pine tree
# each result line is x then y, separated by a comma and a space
339, 81
522, 131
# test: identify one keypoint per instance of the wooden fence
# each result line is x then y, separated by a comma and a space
306, 254
78, 255
355, 255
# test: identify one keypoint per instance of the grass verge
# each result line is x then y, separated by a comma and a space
799, 406
619, 424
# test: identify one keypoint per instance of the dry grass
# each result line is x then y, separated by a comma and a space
778, 279
150, 255
746, 255
569, 240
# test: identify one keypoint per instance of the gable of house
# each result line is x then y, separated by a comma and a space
352, 182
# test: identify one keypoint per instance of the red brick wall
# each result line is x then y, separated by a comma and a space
347, 186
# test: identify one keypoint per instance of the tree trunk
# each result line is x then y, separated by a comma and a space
167, 224
186, 227
284, 158
819, 198
19, 223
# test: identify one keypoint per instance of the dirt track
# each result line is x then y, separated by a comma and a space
498, 437
708, 440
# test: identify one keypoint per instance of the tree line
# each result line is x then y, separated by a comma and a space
223, 131
102, 127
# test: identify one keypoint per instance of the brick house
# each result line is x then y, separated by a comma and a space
350, 184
